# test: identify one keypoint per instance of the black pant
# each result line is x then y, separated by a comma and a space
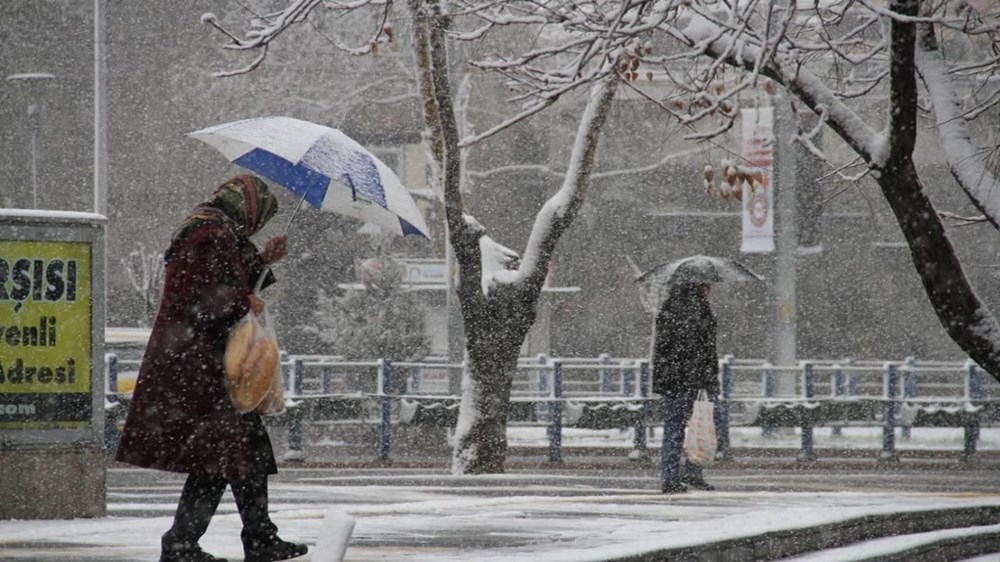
200, 498
675, 410
202, 493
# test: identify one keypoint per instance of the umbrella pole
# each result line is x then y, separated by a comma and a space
296, 211
305, 193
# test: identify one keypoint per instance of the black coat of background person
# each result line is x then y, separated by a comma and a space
684, 353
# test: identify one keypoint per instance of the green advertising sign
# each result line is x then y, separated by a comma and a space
45, 334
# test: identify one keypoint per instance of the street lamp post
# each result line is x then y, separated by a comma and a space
34, 117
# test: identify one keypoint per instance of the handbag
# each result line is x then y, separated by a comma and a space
253, 366
700, 441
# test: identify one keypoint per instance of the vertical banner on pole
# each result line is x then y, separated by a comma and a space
758, 204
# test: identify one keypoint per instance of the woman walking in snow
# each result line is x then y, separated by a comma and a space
181, 418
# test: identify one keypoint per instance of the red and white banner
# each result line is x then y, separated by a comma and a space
758, 203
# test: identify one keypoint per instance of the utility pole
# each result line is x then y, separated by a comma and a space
786, 174
100, 122
34, 117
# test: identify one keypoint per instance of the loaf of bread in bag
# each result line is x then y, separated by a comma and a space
236, 350
259, 370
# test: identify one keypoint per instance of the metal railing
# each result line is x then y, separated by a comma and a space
606, 392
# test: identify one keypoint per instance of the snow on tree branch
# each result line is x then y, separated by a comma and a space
495, 258
264, 29
964, 160
960, 220
562, 207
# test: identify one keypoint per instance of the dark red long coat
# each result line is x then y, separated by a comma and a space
181, 418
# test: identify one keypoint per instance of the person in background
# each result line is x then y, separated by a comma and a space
684, 363
181, 418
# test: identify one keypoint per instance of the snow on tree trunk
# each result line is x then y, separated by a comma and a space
496, 318
965, 318
494, 334
500, 309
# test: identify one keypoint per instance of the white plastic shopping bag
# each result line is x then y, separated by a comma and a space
699, 438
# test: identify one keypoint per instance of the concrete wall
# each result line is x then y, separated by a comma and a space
52, 482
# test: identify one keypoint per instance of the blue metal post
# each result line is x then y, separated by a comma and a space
808, 392
298, 371
628, 381
605, 360
722, 409
891, 393
541, 407
325, 375
909, 391
767, 382
415, 377
641, 426
385, 408
836, 391
295, 423
852, 380
973, 393
286, 376
555, 414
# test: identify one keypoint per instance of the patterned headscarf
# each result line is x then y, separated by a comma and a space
243, 204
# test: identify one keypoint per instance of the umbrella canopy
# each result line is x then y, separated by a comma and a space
700, 269
323, 166
693, 269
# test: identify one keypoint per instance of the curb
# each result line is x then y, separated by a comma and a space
792, 542
959, 548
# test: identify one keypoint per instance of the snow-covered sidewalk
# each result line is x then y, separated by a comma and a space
429, 516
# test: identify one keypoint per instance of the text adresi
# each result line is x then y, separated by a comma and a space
45, 334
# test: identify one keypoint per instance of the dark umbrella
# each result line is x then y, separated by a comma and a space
697, 269
700, 269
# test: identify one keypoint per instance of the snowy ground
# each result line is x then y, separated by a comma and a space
428, 515
436, 517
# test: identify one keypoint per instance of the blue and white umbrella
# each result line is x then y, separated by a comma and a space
323, 166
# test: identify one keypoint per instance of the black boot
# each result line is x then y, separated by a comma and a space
692, 476
173, 550
697, 482
260, 534
199, 499
673, 488
269, 548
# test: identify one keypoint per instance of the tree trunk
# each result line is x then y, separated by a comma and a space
494, 333
961, 313
958, 308
496, 324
